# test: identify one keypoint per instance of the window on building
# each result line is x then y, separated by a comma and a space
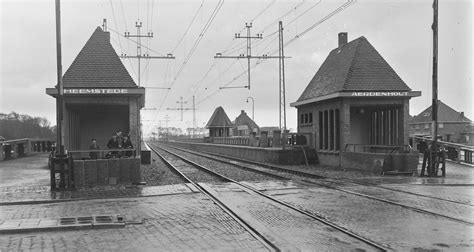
440, 125
417, 126
427, 125
326, 129
329, 133
306, 119
320, 120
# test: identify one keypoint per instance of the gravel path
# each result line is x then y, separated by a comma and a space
158, 173
191, 172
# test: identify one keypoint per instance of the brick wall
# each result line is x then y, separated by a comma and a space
265, 155
106, 171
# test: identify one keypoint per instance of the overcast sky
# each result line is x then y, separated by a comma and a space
399, 30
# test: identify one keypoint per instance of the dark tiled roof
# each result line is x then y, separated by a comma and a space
219, 119
98, 65
357, 66
445, 114
244, 119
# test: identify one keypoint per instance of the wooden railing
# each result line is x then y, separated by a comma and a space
371, 148
102, 154
456, 152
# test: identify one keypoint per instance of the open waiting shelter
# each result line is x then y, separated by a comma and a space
356, 107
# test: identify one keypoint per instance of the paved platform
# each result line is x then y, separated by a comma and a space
178, 218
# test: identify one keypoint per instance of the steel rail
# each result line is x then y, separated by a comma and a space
301, 173
269, 245
321, 219
307, 174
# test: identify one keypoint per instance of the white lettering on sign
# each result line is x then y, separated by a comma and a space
95, 91
390, 93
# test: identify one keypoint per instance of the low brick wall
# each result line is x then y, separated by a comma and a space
264, 155
402, 162
106, 171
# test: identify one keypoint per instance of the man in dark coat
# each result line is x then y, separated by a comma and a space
113, 144
127, 144
94, 146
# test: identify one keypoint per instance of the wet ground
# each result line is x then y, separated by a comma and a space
178, 218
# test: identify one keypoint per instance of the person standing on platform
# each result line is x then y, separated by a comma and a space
94, 146
127, 144
113, 144
119, 138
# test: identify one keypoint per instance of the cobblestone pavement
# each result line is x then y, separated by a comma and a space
451, 209
396, 227
289, 229
181, 222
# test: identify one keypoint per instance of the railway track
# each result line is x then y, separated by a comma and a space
189, 172
327, 181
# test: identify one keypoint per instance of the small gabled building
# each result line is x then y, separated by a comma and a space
453, 126
219, 124
244, 125
354, 100
100, 96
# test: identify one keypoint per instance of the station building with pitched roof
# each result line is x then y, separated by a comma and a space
354, 103
219, 124
244, 125
100, 96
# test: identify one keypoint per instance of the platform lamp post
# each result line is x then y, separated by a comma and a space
253, 106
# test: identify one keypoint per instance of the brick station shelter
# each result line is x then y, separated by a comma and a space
244, 125
219, 124
100, 96
354, 99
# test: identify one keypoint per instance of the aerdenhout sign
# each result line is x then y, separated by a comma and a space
95, 91
381, 93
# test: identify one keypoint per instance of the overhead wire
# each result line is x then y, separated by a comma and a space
189, 26
314, 25
195, 45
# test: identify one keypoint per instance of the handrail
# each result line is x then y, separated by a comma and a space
463, 146
388, 148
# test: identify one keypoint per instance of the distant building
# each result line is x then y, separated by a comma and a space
270, 130
453, 126
354, 100
244, 125
219, 124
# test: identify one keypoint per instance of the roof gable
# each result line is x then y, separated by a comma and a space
98, 65
356, 66
244, 119
445, 114
219, 119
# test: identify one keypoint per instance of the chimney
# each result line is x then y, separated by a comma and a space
462, 114
242, 111
342, 39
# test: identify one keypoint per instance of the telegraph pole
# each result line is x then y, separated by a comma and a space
282, 95
139, 55
194, 116
434, 105
249, 53
181, 103
59, 102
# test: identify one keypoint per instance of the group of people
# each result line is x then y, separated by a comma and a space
117, 141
